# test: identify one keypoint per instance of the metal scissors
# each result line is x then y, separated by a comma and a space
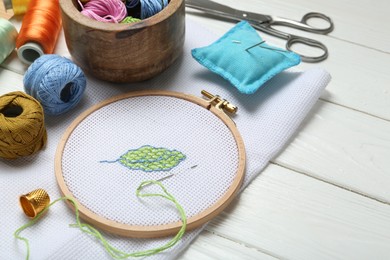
264, 23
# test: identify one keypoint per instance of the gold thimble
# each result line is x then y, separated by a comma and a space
34, 202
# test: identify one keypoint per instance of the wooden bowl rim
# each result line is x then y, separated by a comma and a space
68, 7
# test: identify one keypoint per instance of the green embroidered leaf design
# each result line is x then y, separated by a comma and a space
148, 158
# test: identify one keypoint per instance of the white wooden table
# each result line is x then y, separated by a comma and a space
327, 195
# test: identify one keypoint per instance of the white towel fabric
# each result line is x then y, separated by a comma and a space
266, 121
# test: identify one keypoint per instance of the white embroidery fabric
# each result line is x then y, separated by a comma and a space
266, 121
108, 189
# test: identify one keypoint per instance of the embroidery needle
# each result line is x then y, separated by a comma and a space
171, 175
257, 44
264, 47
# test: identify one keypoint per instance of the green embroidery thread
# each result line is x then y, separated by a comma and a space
112, 251
148, 158
130, 19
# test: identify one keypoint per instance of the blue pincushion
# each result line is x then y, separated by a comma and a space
245, 68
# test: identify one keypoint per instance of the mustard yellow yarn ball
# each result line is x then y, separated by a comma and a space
22, 129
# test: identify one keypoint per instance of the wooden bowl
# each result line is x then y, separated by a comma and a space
124, 52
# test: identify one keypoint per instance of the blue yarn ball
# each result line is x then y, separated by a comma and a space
152, 7
56, 82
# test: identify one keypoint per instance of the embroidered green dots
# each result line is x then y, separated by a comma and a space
148, 158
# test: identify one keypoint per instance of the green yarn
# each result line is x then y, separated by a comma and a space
130, 19
112, 251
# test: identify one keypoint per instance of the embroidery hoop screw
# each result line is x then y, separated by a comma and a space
220, 103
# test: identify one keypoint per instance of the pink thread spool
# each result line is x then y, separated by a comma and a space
125, 52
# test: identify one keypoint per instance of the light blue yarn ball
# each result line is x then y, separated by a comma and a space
152, 7
56, 82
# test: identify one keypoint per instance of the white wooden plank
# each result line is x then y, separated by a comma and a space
343, 147
210, 246
297, 217
364, 22
360, 78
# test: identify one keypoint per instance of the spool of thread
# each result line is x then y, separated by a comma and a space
56, 82
41, 26
18, 6
22, 130
8, 35
112, 11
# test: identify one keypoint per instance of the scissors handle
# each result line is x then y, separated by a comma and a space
303, 24
295, 39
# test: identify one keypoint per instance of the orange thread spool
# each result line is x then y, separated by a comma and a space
40, 29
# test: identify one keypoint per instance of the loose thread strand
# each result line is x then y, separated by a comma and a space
112, 251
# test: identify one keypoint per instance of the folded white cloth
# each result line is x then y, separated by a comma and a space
266, 121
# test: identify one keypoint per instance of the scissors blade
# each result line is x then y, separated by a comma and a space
227, 12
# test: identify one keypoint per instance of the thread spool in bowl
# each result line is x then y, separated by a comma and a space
125, 52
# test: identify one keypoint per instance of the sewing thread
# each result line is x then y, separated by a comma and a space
152, 7
112, 251
149, 159
56, 82
41, 26
22, 130
8, 35
115, 11
130, 19
112, 11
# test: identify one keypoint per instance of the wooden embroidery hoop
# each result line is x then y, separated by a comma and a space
166, 229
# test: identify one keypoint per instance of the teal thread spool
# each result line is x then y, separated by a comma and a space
8, 35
